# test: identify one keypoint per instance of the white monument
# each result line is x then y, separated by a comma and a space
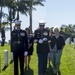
5, 57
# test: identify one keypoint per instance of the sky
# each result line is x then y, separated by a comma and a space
54, 12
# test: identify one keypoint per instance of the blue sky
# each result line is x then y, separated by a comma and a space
54, 12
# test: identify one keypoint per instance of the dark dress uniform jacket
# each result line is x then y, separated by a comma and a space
40, 34
19, 41
58, 41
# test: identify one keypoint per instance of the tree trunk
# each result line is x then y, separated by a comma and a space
30, 17
10, 19
17, 12
0, 17
17, 15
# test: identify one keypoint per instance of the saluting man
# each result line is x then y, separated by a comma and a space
41, 37
19, 47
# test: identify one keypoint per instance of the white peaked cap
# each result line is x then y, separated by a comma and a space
41, 22
17, 22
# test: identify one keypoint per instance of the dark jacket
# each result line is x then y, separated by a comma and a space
19, 41
40, 34
58, 41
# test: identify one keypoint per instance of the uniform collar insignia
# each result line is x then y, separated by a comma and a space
45, 33
22, 34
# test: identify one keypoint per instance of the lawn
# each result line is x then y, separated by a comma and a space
67, 62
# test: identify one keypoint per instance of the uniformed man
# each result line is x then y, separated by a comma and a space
41, 37
3, 35
19, 47
57, 45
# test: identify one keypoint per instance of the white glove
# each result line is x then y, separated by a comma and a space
40, 41
44, 39
25, 53
49, 41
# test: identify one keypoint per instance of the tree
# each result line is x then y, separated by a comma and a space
74, 27
10, 4
33, 3
62, 28
1, 5
22, 7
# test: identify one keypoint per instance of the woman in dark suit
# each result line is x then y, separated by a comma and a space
30, 48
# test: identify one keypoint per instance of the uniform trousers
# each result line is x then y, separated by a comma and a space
55, 59
3, 41
21, 59
42, 63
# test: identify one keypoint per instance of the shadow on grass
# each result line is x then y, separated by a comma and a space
49, 70
11, 61
29, 72
4, 68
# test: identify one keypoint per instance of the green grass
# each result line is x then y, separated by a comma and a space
67, 66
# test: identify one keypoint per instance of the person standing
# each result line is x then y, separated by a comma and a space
30, 48
57, 45
41, 37
3, 36
19, 47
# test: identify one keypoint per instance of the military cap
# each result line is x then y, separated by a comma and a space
41, 22
17, 22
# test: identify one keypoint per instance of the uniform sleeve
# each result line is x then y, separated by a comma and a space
11, 42
26, 42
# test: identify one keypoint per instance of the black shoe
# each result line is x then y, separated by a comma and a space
2, 45
59, 73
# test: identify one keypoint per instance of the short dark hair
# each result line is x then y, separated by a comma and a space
28, 29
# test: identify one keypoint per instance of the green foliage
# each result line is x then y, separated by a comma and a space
68, 30
2, 2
